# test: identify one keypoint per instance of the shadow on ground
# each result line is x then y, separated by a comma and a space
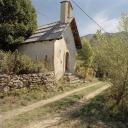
96, 114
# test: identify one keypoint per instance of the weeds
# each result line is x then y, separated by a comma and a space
19, 64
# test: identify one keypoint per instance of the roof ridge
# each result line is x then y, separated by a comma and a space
48, 24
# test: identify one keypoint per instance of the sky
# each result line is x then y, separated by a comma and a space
106, 12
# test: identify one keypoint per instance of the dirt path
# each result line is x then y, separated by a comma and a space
52, 121
16, 112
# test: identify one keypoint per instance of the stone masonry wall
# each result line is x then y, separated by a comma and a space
9, 82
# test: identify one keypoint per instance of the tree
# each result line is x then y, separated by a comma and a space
123, 24
111, 58
1, 1
85, 54
17, 22
84, 58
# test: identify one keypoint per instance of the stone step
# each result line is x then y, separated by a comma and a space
71, 78
68, 74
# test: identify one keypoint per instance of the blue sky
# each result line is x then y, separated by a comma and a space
106, 12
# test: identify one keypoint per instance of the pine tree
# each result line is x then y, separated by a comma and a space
17, 21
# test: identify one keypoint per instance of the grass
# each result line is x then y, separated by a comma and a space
40, 113
24, 97
95, 114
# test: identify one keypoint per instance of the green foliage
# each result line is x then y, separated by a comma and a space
1, 1
124, 22
85, 54
18, 64
99, 110
17, 22
111, 62
84, 58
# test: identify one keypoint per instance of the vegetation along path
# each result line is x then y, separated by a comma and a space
55, 120
16, 112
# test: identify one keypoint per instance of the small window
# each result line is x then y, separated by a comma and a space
37, 58
66, 40
59, 51
46, 58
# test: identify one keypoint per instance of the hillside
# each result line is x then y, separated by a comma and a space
92, 37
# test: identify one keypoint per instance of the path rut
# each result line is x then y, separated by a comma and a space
16, 112
52, 121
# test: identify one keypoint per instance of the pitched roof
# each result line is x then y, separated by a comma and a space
75, 33
54, 31
47, 32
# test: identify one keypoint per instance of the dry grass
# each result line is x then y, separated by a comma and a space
24, 97
40, 113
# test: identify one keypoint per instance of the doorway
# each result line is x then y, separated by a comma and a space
67, 62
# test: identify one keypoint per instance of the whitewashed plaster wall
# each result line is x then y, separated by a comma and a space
63, 46
39, 51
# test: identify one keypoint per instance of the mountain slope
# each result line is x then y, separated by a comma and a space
93, 40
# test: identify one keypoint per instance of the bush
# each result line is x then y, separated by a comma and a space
111, 64
18, 64
84, 59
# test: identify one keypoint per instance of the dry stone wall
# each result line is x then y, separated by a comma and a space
9, 82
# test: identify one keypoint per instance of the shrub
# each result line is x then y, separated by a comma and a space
84, 59
24, 65
18, 64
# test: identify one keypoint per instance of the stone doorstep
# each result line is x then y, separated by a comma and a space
72, 79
